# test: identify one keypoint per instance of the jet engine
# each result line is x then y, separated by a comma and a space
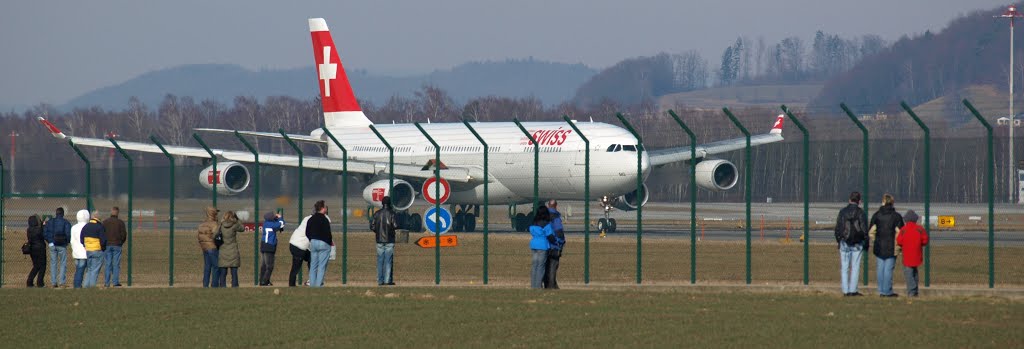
402, 194
232, 177
630, 201
716, 175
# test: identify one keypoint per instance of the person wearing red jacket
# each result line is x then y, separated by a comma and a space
912, 238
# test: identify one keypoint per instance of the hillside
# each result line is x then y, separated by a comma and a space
770, 96
550, 82
971, 50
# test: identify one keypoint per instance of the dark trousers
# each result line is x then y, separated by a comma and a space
223, 276
298, 256
38, 267
551, 273
266, 267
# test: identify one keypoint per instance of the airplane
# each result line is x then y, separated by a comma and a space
510, 175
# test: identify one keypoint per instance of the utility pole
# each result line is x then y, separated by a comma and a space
1012, 14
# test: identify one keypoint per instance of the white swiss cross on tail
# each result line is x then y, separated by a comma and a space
328, 71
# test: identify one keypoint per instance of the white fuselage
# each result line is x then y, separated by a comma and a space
510, 159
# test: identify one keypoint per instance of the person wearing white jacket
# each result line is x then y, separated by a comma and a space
77, 248
298, 245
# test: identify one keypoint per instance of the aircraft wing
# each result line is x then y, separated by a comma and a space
667, 156
454, 174
278, 136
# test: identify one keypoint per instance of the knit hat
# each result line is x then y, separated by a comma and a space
911, 216
269, 216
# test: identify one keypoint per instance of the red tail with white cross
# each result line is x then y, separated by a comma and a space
341, 109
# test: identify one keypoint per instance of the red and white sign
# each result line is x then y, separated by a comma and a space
210, 175
429, 188
378, 194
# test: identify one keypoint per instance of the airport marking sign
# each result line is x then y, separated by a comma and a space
946, 222
429, 188
431, 241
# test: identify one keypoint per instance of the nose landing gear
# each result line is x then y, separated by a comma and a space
606, 225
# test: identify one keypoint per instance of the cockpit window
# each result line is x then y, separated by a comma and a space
611, 148
629, 147
614, 148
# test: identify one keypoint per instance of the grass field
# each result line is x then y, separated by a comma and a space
497, 317
666, 261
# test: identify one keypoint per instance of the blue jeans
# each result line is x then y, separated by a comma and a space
223, 277
58, 265
93, 263
79, 272
112, 265
849, 266
211, 274
885, 268
539, 265
385, 252
319, 253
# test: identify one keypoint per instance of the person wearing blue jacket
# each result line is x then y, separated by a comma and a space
540, 229
272, 224
555, 241
57, 232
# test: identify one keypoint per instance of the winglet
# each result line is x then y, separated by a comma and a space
53, 129
777, 128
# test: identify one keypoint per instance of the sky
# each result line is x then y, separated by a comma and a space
52, 51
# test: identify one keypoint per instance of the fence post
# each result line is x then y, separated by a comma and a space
170, 216
487, 179
746, 179
867, 161
586, 199
2, 227
536, 162
88, 175
806, 188
131, 197
639, 198
297, 151
344, 204
437, 203
990, 183
693, 194
255, 208
216, 171
927, 190
391, 160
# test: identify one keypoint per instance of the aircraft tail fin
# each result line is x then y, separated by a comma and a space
777, 127
340, 107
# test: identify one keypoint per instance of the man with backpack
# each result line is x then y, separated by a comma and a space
851, 236
57, 232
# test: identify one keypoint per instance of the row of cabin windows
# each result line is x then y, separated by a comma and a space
543, 149
381, 148
462, 148
623, 147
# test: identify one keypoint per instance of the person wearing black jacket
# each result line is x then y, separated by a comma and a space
37, 250
886, 222
318, 230
851, 236
383, 225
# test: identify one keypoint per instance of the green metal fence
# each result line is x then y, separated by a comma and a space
661, 228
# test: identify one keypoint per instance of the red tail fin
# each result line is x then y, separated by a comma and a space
335, 91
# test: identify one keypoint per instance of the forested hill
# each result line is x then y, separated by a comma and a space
973, 49
549, 82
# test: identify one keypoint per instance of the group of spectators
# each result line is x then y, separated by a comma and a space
893, 234
95, 245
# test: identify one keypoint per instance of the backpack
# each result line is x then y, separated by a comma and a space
853, 231
218, 239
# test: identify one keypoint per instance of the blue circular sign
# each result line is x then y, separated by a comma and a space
437, 221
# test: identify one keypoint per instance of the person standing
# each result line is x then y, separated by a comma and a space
94, 238
540, 229
556, 242
57, 232
78, 252
272, 224
911, 238
206, 232
318, 230
886, 222
851, 237
37, 250
298, 245
230, 259
383, 225
116, 236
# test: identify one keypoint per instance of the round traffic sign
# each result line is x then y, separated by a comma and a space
429, 188
437, 221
